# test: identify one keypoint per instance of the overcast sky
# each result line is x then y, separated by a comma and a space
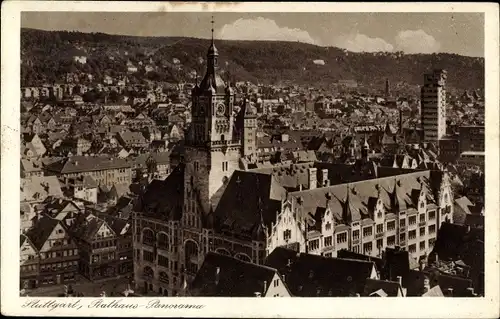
460, 33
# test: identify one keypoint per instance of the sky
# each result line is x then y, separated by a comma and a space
460, 33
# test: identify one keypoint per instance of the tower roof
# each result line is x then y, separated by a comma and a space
212, 82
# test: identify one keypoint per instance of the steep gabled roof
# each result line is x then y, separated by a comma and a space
262, 196
317, 276
164, 199
225, 276
41, 231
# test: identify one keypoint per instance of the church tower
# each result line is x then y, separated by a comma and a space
212, 149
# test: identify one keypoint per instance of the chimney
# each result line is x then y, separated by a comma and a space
265, 287
449, 292
313, 178
400, 280
217, 271
427, 285
324, 178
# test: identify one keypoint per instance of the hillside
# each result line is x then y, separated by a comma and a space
47, 56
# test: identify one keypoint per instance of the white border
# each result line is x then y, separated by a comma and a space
247, 307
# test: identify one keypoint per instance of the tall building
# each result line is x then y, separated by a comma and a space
174, 217
433, 106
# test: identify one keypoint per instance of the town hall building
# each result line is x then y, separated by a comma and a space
209, 203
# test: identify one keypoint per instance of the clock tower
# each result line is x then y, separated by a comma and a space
212, 147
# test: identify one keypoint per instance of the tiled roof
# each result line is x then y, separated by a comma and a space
317, 276
391, 288
31, 165
344, 253
262, 195
224, 276
41, 231
393, 191
40, 187
86, 226
164, 199
79, 164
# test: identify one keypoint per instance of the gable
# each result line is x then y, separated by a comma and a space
104, 232
27, 248
277, 288
58, 232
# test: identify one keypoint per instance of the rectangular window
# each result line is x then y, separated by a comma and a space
147, 256
380, 243
367, 231
342, 238
355, 249
432, 229
328, 241
412, 220
380, 228
402, 222
413, 248
162, 261
402, 237
355, 234
422, 231
422, 245
314, 244
422, 218
412, 234
432, 215
367, 248
391, 240
391, 225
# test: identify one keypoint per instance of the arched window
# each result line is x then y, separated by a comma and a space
148, 237
163, 241
148, 272
191, 256
164, 277
223, 251
243, 257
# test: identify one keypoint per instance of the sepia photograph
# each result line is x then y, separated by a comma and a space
251, 154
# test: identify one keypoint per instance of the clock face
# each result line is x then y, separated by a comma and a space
221, 109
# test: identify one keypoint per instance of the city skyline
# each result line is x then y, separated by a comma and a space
412, 33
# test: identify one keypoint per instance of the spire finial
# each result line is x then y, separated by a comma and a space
212, 21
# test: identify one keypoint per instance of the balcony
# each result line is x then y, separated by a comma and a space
402, 228
355, 241
379, 235
420, 224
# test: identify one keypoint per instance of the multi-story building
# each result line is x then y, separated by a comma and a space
105, 170
471, 138
171, 244
207, 204
97, 244
433, 106
58, 252
367, 216
124, 249
29, 262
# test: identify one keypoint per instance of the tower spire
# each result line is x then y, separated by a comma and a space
212, 21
